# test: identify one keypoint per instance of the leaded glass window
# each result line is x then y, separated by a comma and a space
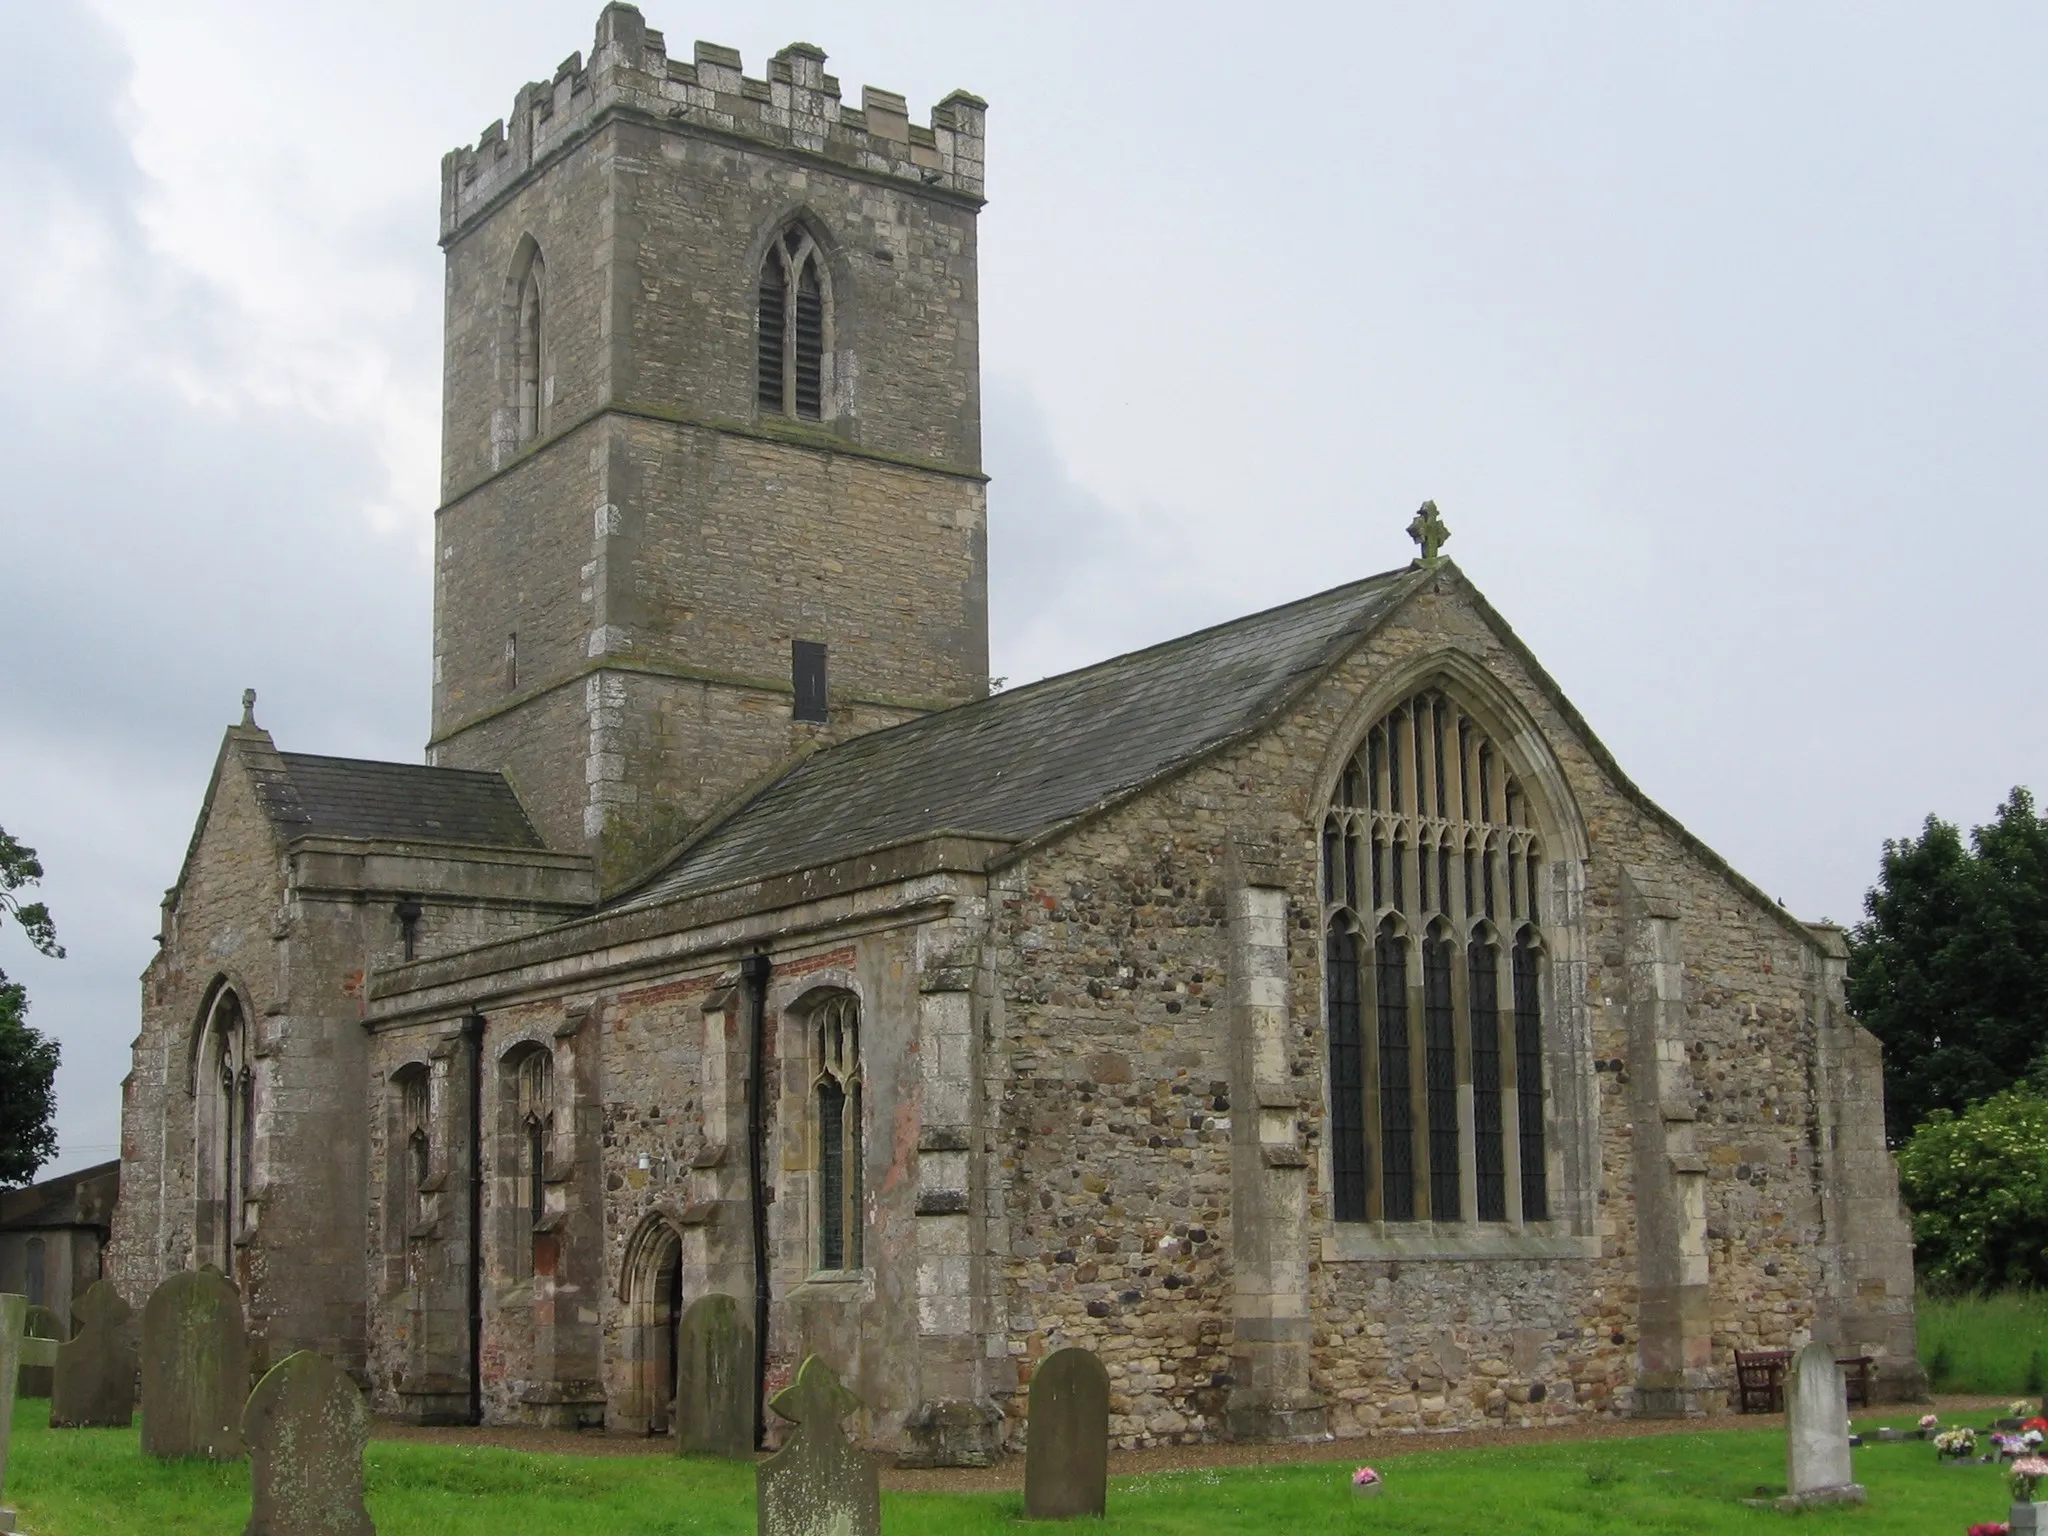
837, 1093
1435, 1058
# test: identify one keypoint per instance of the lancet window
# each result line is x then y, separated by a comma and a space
836, 1094
533, 1124
413, 1147
790, 331
529, 351
1433, 987
224, 1087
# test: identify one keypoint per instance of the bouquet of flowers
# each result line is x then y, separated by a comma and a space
1955, 1442
1991, 1528
2025, 1475
1930, 1421
2036, 1425
1365, 1480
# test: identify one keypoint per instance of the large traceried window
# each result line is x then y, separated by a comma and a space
1434, 954
836, 1093
790, 336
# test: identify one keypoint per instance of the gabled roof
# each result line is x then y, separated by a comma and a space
397, 802
1016, 766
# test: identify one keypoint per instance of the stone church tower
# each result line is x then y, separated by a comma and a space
711, 462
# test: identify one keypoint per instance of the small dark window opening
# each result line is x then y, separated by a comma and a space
807, 678
409, 912
512, 660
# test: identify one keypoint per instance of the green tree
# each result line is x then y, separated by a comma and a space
1946, 967
28, 1059
1978, 1186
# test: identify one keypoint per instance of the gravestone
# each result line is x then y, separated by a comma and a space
817, 1484
715, 1380
16, 1350
1066, 1445
94, 1385
1817, 1432
306, 1426
41, 1323
195, 1368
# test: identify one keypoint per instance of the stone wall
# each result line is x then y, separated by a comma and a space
294, 928
1115, 1105
661, 1172
660, 542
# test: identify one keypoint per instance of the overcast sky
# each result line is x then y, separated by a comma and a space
1715, 330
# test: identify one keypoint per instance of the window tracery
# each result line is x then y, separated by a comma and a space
225, 1088
790, 333
1430, 853
534, 1122
837, 1093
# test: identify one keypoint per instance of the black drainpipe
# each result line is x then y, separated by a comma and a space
754, 970
473, 1032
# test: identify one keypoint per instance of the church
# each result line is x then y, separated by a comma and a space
1307, 1015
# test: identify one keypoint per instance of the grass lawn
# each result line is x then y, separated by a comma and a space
98, 1483
1986, 1343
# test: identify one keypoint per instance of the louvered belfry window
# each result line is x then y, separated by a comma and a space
1431, 874
790, 335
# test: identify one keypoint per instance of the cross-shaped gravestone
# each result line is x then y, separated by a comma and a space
95, 1378
16, 1350
817, 1484
1429, 533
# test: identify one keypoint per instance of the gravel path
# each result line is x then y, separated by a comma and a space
1173, 1458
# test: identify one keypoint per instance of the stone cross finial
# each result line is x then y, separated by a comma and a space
249, 706
1429, 533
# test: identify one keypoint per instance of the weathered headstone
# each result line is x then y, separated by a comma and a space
817, 1484
195, 1368
1066, 1447
41, 1323
1817, 1431
306, 1426
715, 1380
16, 1349
94, 1385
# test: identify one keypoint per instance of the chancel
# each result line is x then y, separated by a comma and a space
1307, 1017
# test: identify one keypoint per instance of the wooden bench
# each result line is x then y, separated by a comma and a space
1858, 1371
1760, 1380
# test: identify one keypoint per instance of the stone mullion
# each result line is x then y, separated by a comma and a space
1510, 1080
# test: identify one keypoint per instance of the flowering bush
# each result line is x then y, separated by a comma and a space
1364, 1477
2025, 1476
1955, 1442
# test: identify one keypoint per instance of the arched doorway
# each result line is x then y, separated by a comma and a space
652, 1291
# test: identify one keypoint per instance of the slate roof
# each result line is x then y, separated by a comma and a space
397, 802
1019, 764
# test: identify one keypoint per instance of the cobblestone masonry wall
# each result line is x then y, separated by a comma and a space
653, 1103
1113, 1115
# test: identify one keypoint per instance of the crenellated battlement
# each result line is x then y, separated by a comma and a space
796, 107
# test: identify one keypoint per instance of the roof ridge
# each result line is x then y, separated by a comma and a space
385, 762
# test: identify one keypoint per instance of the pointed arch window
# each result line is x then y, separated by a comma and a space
836, 1095
790, 330
530, 350
413, 1145
224, 1090
532, 1073
1435, 1042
